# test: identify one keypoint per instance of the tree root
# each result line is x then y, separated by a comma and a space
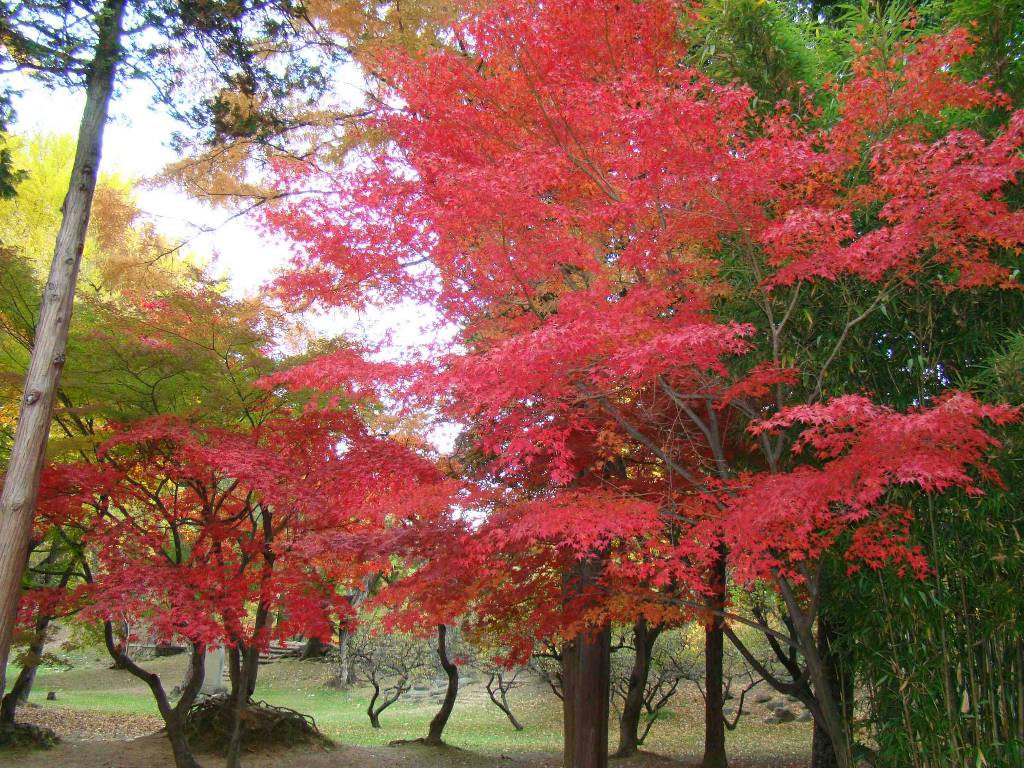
26, 736
264, 726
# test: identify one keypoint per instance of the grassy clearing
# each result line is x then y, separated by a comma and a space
476, 724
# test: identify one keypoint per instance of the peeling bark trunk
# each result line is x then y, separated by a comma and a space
452, 671
21, 484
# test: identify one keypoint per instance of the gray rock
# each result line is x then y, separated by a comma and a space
784, 715
772, 720
763, 698
805, 716
51, 696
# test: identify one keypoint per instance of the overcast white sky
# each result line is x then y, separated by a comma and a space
136, 145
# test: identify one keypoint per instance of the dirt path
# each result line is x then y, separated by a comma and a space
152, 752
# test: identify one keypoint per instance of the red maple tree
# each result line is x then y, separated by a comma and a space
643, 268
205, 535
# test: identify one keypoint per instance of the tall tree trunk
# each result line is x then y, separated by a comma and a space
569, 669
586, 678
633, 707
714, 657
452, 671
21, 485
586, 682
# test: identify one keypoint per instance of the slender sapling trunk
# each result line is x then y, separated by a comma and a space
173, 716
434, 734
633, 707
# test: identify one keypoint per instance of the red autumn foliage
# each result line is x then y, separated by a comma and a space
192, 527
779, 521
582, 197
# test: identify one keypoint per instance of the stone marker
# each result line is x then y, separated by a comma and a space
213, 673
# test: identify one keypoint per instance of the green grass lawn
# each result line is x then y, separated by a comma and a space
475, 725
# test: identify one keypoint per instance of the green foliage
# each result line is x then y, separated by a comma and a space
10, 174
941, 659
1003, 376
243, 52
998, 27
938, 662
870, 24
756, 43
152, 334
